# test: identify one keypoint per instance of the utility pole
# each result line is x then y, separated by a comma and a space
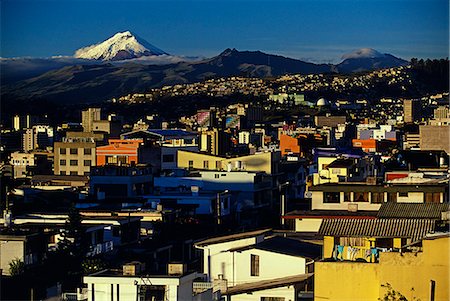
283, 203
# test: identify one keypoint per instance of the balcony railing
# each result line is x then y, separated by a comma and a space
200, 287
80, 295
355, 253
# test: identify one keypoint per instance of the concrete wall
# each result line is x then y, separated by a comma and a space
318, 203
235, 266
177, 289
346, 281
434, 137
80, 169
307, 224
9, 250
271, 265
286, 292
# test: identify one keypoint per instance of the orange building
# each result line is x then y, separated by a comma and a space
373, 145
289, 145
119, 151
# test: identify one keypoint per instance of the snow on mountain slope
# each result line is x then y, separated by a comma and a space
363, 53
123, 45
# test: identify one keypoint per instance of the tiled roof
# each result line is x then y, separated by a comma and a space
412, 210
389, 228
329, 214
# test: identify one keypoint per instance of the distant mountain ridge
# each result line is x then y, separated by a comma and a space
89, 80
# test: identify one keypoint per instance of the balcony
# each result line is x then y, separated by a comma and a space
101, 248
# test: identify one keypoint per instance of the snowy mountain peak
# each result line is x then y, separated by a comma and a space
363, 53
121, 46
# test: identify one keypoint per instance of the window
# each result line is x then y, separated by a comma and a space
206, 164
87, 151
336, 171
87, 162
168, 158
216, 176
331, 197
392, 197
73, 173
352, 241
361, 197
347, 196
62, 151
377, 197
384, 243
191, 164
254, 265
403, 194
432, 197
74, 151
73, 162
225, 203
116, 159
62, 162
62, 172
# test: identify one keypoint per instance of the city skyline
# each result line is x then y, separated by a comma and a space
319, 31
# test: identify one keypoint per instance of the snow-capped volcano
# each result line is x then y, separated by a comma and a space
121, 46
363, 53
365, 59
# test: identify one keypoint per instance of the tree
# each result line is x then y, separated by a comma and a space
90, 266
393, 295
74, 241
16, 267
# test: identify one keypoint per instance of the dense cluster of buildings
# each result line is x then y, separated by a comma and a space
231, 206
295, 83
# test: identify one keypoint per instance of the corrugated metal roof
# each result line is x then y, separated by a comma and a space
415, 229
412, 210
227, 238
267, 284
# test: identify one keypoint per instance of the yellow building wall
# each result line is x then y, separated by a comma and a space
408, 273
328, 246
258, 162
197, 159
335, 174
345, 281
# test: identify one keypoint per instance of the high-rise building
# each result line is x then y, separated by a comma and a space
38, 137
21, 122
412, 110
441, 112
76, 153
214, 142
88, 117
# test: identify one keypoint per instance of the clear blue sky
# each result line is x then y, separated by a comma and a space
306, 29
